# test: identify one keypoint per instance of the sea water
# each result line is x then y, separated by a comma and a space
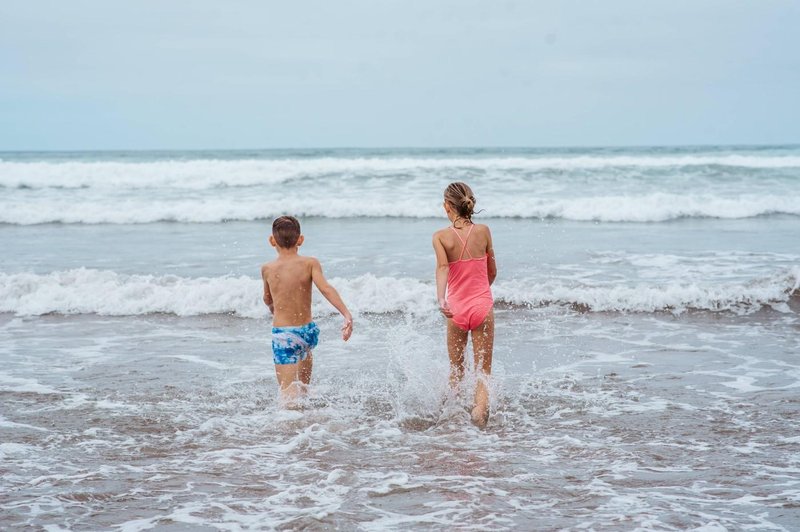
646, 368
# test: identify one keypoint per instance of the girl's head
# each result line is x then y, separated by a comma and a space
458, 196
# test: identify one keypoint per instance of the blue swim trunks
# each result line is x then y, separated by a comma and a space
290, 345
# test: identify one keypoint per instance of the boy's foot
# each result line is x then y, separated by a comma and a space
292, 397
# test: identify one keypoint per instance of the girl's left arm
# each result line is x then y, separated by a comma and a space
491, 264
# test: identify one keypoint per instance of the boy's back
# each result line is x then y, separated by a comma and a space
289, 282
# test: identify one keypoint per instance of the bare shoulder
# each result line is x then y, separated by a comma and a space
310, 264
483, 230
484, 234
439, 234
265, 268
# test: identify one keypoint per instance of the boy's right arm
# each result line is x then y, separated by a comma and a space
333, 296
267, 294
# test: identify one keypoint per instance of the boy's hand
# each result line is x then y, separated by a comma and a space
444, 308
347, 329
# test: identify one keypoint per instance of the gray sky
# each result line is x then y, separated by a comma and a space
259, 74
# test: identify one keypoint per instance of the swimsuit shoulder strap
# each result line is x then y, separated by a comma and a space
463, 241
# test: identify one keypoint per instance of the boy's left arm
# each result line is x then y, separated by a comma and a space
333, 296
267, 295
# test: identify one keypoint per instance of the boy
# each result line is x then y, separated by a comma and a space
287, 293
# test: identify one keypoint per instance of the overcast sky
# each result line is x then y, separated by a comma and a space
261, 74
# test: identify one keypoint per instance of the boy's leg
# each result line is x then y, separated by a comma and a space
456, 344
305, 368
483, 347
290, 388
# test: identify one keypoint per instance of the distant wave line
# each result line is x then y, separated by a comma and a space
653, 207
207, 173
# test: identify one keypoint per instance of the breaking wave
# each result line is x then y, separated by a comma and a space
214, 173
89, 291
654, 207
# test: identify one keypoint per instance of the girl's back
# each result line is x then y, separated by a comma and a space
478, 243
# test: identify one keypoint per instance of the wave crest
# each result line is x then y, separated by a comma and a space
89, 291
214, 173
655, 207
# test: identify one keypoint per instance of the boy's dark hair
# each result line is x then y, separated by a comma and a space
286, 231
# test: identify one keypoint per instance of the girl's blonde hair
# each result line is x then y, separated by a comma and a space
460, 197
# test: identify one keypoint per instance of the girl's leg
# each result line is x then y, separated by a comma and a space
483, 347
456, 344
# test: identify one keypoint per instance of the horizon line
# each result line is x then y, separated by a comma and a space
420, 148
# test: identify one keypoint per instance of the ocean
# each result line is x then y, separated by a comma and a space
646, 369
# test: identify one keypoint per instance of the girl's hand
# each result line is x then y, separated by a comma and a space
444, 308
347, 329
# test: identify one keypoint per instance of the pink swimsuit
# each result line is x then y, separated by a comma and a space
468, 292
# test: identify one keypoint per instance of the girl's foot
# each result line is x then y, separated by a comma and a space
480, 415
480, 410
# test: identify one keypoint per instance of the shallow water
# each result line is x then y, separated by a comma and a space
597, 421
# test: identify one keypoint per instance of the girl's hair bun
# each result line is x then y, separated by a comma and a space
460, 197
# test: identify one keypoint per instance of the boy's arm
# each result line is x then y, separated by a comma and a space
442, 271
333, 296
491, 264
267, 294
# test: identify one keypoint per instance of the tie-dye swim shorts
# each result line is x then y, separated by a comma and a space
290, 345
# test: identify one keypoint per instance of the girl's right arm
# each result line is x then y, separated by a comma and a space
442, 270
491, 264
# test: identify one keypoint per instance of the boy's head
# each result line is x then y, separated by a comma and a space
286, 232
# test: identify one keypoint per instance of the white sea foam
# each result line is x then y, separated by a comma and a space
7, 424
212, 173
10, 383
652, 207
84, 291
675, 296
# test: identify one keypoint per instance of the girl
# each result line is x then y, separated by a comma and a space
465, 266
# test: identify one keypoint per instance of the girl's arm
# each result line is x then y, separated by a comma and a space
442, 270
333, 296
267, 294
491, 264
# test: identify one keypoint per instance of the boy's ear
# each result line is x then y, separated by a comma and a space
300, 240
272, 241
